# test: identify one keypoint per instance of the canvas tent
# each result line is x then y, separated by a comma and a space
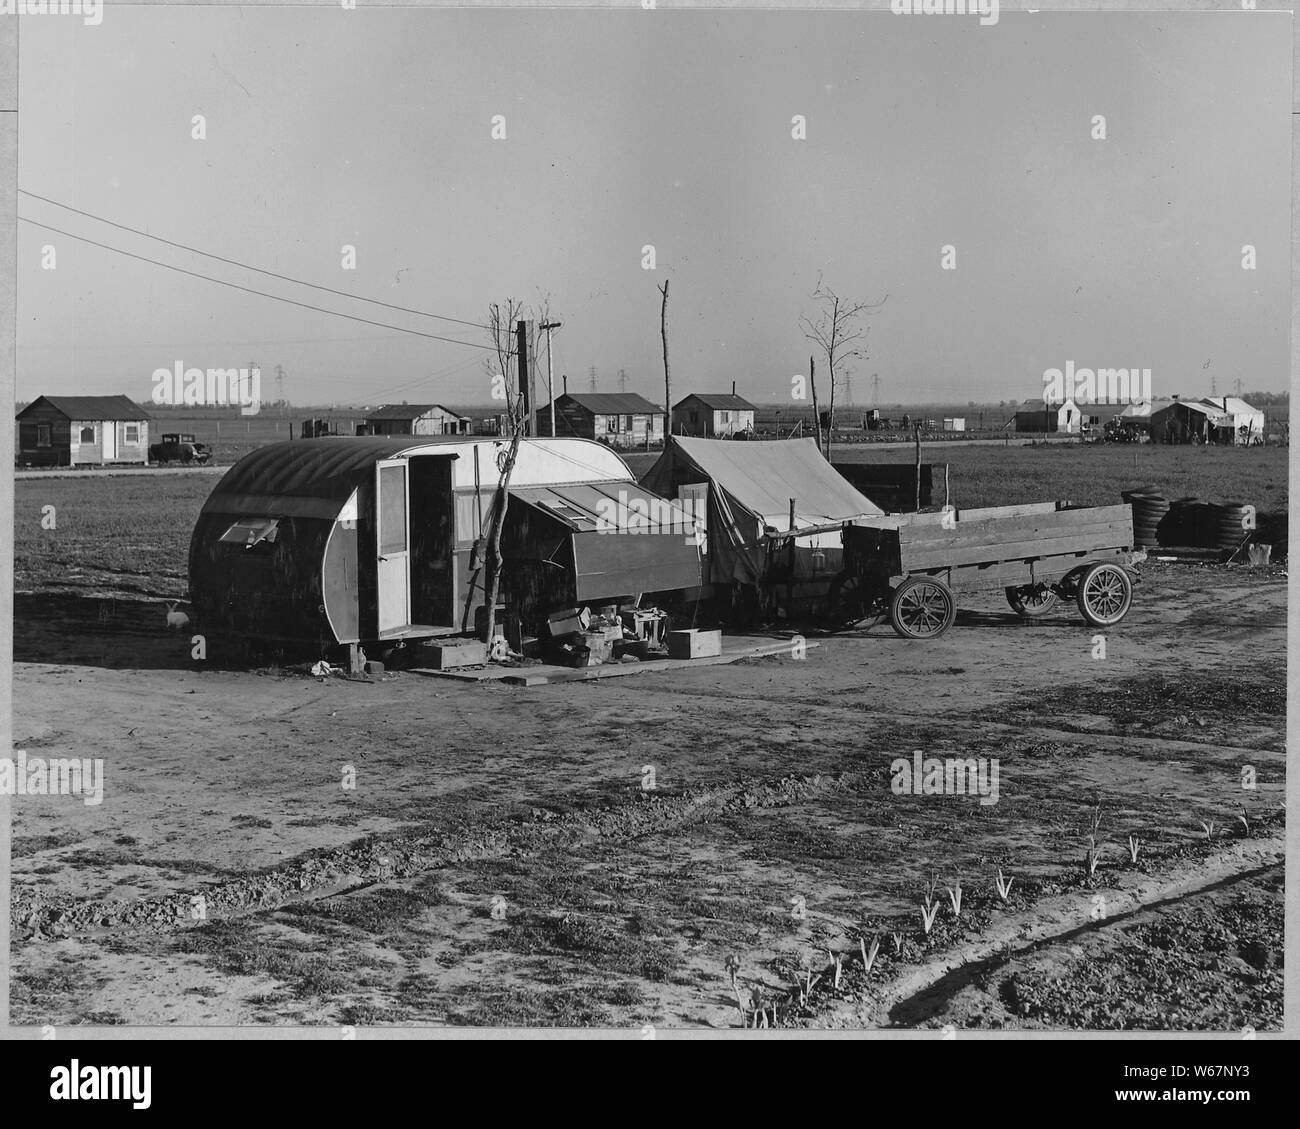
744, 488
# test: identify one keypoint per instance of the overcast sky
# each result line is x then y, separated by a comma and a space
624, 128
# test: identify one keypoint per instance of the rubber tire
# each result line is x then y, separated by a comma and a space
1032, 611
908, 585
1126, 590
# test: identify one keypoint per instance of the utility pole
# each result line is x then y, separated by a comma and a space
550, 387
526, 390
668, 383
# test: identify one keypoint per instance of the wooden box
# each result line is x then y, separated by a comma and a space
694, 644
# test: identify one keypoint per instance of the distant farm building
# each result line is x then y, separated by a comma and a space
1247, 423
414, 419
955, 423
713, 415
620, 419
1064, 418
82, 431
1192, 421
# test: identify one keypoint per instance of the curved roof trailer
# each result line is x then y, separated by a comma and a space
347, 540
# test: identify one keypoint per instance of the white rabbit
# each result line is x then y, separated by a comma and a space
176, 619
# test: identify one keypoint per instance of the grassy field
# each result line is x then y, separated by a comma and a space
131, 533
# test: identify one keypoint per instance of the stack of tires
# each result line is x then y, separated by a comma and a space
1149, 511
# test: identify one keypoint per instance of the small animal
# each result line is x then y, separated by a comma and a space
176, 620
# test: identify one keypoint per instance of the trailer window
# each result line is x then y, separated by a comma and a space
252, 531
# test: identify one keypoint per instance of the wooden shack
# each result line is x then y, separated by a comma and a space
82, 431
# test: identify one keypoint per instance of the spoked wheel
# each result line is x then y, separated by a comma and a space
1031, 600
922, 608
1105, 594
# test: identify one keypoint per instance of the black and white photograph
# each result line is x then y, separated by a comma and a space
646, 519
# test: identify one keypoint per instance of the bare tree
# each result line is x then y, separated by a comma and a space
838, 333
505, 349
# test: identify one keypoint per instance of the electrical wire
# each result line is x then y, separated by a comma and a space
250, 290
248, 266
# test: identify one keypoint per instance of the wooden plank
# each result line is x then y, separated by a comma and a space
1105, 532
1001, 535
913, 558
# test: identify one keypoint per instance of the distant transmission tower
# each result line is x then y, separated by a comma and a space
279, 383
1236, 384
622, 380
591, 372
1213, 391
875, 388
848, 388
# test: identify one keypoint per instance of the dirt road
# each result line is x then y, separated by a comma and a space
501, 859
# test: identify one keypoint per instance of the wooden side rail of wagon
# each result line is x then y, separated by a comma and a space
908, 566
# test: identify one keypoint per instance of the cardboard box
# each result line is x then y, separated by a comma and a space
694, 644
447, 654
571, 622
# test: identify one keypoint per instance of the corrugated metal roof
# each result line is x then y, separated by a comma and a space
611, 403
91, 407
407, 411
719, 402
763, 477
305, 478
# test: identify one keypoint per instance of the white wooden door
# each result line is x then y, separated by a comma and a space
110, 439
393, 537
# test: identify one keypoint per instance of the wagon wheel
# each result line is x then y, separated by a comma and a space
921, 608
1105, 594
1031, 600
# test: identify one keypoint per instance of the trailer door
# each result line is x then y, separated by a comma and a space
393, 542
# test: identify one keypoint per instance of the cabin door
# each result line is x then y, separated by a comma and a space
393, 538
110, 439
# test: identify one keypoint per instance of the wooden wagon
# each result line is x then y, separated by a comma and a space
908, 567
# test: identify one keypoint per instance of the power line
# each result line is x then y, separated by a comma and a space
250, 290
248, 266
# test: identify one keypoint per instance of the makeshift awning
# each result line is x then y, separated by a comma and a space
608, 507
626, 539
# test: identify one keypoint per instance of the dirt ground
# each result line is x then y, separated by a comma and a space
502, 860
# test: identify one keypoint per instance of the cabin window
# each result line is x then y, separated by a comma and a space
42, 435
627, 423
724, 417
88, 435
252, 531
131, 433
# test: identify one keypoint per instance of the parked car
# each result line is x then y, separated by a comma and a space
177, 448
